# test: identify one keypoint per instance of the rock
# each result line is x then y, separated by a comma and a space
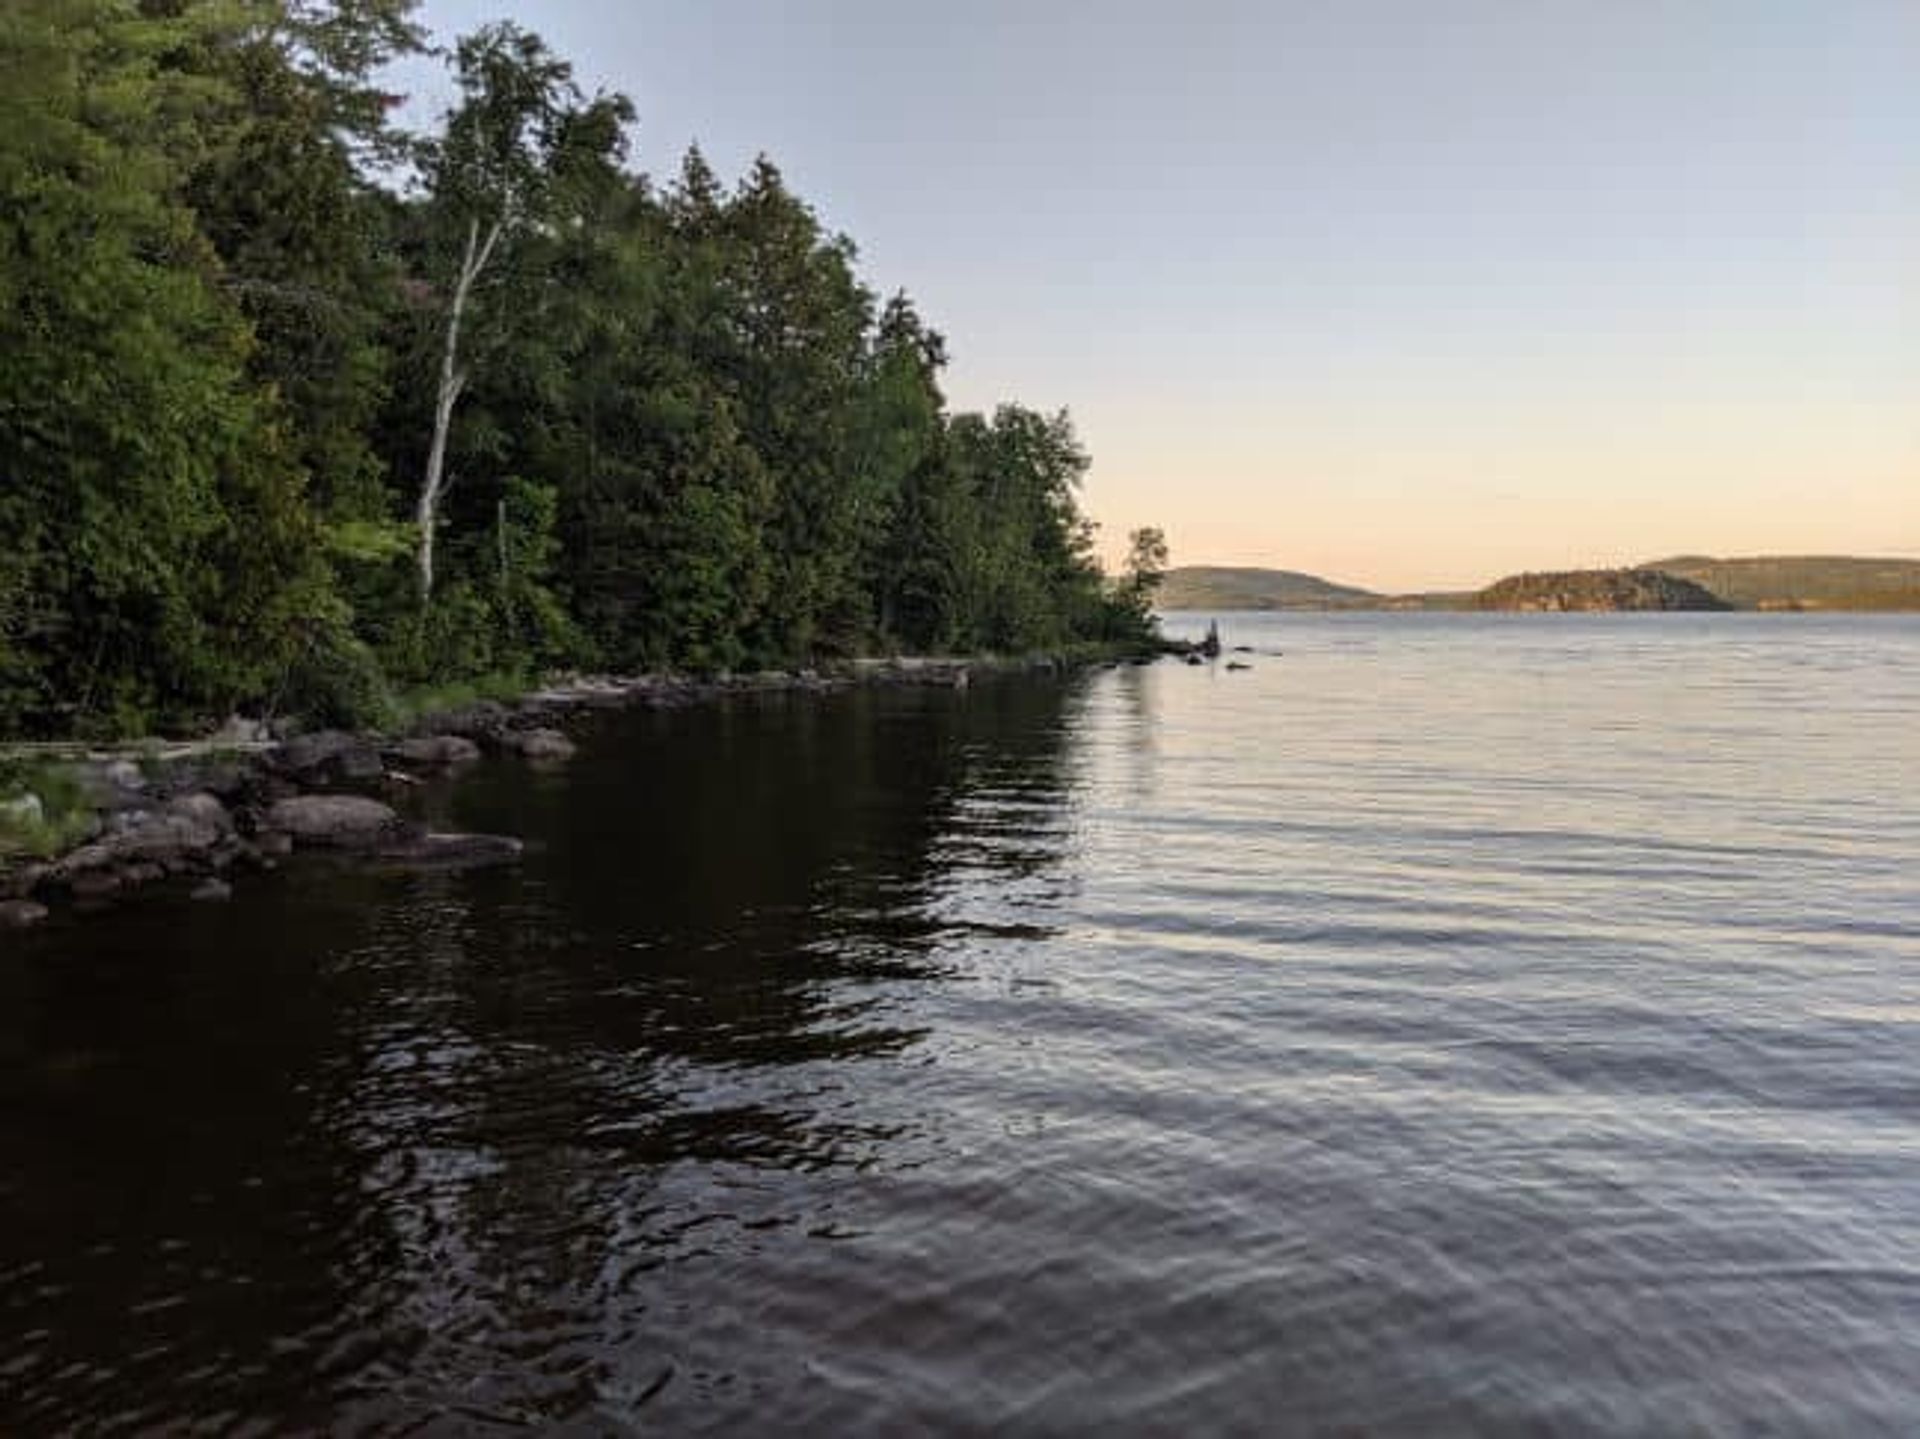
144, 872
1233, 665
482, 720
542, 744
336, 821
94, 884
330, 753
454, 851
124, 774
271, 844
1195, 660
238, 730
20, 913
212, 890
203, 808
437, 750
23, 809
145, 843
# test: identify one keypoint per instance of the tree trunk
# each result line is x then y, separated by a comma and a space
453, 380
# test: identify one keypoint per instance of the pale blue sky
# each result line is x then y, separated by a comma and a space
1406, 292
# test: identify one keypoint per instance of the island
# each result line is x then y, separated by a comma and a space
1570, 590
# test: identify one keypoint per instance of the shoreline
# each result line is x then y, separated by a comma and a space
153, 819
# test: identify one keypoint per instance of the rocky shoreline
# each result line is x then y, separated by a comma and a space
190, 819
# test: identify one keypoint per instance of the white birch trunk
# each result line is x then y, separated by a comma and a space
453, 379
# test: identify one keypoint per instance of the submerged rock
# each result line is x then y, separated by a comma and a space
453, 851
542, 744
335, 821
212, 891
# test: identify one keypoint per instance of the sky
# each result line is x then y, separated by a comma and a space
1407, 293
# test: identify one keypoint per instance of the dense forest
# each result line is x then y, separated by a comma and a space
299, 410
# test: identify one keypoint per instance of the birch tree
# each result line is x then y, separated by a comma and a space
512, 164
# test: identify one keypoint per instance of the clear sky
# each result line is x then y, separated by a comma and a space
1409, 293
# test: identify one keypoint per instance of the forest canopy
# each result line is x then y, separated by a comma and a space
298, 409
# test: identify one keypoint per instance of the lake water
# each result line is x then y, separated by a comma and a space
1495, 1024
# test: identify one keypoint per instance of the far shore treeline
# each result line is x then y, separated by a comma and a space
298, 411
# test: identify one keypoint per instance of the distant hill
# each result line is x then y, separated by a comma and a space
1785, 582
1636, 589
1216, 587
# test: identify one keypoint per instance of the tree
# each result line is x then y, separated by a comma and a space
517, 153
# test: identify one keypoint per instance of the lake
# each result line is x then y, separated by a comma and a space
1450, 1023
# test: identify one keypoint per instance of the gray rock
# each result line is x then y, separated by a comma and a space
239, 730
203, 808
482, 720
94, 883
124, 774
20, 913
437, 750
212, 890
338, 821
136, 840
330, 753
542, 744
271, 844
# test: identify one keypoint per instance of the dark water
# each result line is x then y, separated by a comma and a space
1504, 1025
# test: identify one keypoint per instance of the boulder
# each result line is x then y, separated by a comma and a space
482, 720
204, 808
541, 744
330, 754
137, 845
124, 774
334, 821
212, 890
20, 913
436, 751
238, 730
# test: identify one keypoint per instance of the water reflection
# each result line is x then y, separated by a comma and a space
363, 1148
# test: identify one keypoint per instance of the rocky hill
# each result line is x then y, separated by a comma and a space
1636, 589
1802, 582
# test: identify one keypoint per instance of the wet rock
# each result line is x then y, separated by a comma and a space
1237, 665
142, 873
542, 744
334, 821
436, 751
453, 851
212, 891
94, 883
20, 913
272, 844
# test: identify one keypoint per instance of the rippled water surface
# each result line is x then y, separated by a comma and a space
1448, 1024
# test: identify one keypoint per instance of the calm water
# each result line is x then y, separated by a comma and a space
1450, 1024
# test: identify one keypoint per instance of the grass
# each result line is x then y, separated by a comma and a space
409, 705
66, 811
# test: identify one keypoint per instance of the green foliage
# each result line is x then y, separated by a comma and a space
686, 434
62, 812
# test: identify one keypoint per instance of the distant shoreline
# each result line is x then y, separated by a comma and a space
1768, 583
